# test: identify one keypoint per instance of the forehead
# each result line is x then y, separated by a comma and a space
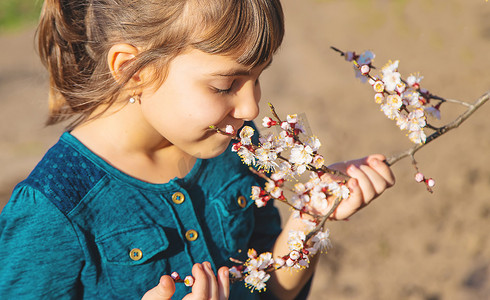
194, 60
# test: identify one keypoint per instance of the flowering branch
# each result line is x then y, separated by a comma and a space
409, 104
442, 130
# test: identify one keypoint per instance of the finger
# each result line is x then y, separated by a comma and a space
212, 283
377, 163
343, 166
352, 204
163, 291
367, 189
200, 287
377, 181
223, 283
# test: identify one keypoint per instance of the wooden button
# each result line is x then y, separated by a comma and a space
242, 201
191, 235
136, 254
178, 198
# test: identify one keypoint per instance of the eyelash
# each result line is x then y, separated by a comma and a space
227, 91
223, 92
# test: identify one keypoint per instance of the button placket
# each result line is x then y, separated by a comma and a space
190, 227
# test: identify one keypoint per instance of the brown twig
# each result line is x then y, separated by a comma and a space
319, 227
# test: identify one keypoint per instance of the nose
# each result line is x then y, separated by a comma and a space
246, 106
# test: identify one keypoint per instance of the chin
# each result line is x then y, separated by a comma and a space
213, 151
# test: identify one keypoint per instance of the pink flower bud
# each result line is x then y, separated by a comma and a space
252, 253
229, 129
236, 147
175, 276
189, 281
431, 182
266, 122
419, 177
365, 69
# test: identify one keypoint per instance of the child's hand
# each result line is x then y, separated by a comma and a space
206, 286
370, 176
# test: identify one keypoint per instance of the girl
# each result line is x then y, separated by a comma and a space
138, 186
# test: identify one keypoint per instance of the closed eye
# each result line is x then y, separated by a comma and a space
219, 91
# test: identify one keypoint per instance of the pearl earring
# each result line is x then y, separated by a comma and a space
133, 98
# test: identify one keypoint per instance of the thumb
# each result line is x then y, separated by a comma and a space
163, 291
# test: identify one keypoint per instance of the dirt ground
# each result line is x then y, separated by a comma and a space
409, 244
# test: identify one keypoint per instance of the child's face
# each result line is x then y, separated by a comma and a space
201, 90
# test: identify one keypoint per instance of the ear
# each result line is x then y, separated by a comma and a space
118, 56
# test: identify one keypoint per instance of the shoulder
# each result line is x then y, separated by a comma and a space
64, 175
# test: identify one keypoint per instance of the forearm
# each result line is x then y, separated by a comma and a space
286, 283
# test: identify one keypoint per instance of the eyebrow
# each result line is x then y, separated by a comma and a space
239, 71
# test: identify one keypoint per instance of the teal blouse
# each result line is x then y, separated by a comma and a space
79, 228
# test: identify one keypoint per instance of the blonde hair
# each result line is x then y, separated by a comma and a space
74, 38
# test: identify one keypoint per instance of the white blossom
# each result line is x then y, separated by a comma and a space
416, 120
296, 240
247, 156
414, 79
266, 157
189, 281
256, 280
301, 156
379, 86
314, 143
339, 190
391, 112
391, 80
230, 129
417, 137
379, 98
246, 135
318, 161
321, 242
402, 121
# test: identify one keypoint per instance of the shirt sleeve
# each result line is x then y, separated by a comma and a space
41, 255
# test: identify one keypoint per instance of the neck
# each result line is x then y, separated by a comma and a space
123, 138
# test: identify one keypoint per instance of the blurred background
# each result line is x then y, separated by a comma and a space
408, 244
